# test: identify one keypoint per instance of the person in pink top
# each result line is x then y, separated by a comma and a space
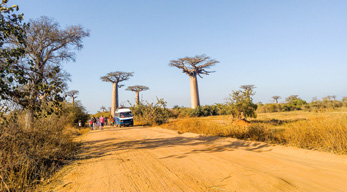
102, 121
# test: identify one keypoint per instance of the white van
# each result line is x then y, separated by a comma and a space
123, 117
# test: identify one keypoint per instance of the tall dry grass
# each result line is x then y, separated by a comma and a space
325, 134
319, 131
30, 156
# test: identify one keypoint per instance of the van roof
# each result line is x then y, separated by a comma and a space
122, 110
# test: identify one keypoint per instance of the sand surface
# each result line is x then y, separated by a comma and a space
155, 159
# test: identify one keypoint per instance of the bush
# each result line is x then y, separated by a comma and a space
242, 105
151, 113
29, 156
74, 113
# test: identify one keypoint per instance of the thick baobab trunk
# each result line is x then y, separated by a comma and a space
194, 92
137, 97
276, 101
114, 104
73, 101
29, 119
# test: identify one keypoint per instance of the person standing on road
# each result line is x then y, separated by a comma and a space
102, 121
106, 123
91, 124
97, 122
94, 122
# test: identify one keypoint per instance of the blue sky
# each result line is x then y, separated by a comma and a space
282, 47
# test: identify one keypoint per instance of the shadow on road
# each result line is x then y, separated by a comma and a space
104, 147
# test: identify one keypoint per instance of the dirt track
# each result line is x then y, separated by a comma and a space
155, 159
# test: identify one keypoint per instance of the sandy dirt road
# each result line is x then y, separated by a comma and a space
155, 159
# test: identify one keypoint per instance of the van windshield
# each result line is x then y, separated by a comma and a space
125, 114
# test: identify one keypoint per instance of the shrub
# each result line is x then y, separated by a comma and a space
151, 113
29, 156
241, 104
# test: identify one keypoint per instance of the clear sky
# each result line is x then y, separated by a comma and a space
296, 47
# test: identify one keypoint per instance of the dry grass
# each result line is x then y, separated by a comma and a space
30, 156
326, 131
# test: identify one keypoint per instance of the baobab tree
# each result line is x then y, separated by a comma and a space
103, 108
248, 89
193, 66
137, 89
276, 98
73, 94
115, 78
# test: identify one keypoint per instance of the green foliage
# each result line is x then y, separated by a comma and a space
293, 102
11, 74
74, 113
326, 103
151, 113
241, 104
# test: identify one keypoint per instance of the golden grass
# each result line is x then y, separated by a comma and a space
325, 131
30, 156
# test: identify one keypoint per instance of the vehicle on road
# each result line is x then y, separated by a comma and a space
123, 117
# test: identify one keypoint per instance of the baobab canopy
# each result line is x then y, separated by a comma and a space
193, 66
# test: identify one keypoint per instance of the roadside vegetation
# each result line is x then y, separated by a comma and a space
324, 130
37, 124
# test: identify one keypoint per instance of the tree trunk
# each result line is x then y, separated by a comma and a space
276, 101
194, 92
73, 101
29, 119
114, 98
137, 98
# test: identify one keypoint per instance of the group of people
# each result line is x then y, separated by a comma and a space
99, 123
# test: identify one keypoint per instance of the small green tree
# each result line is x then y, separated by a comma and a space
293, 102
241, 104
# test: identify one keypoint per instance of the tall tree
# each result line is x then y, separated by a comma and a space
47, 47
11, 74
193, 66
73, 94
276, 98
103, 108
115, 78
137, 89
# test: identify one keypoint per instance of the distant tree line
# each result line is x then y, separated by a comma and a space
294, 102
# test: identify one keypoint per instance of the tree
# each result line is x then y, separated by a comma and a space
73, 94
103, 108
11, 74
47, 47
193, 66
241, 104
137, 89
248, 89
115, 78
294, 103
276, 98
